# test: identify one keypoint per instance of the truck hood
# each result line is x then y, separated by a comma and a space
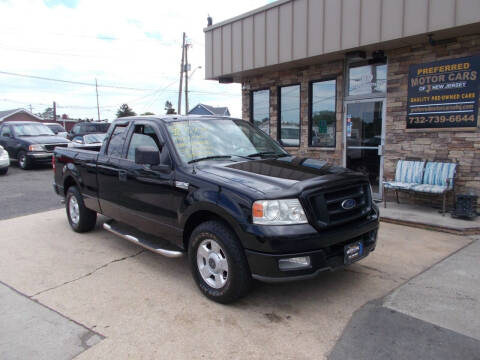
282, 177
46, 139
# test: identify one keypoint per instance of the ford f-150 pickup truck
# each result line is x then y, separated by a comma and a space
223, 193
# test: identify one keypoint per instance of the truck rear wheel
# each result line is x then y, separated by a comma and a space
81, 219
218, 262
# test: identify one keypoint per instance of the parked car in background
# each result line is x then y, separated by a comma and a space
88, 128
88, 141
4, 161
57, 129
223, 193
29, 142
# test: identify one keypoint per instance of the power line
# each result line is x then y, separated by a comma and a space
72, 82
110, 86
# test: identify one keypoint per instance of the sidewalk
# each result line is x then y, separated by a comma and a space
426, 217
435, 315
30, 330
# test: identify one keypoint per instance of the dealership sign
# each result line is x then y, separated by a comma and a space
443, 94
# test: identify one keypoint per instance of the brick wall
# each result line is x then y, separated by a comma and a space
459, 146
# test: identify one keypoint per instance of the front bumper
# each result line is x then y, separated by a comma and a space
40, 156
266, 245
265, 267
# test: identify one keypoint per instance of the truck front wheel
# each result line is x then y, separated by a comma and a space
81, 219
218, 262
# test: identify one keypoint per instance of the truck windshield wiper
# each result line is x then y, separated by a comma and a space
267, 153
210, 157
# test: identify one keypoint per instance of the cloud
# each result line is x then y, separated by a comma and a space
133, 44
68, 3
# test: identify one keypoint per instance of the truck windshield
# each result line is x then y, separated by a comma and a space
197, 139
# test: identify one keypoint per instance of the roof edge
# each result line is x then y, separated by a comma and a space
21, 110
247, 14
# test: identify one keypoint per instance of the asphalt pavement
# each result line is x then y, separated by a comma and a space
24, 192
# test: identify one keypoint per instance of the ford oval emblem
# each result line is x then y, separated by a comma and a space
349, 204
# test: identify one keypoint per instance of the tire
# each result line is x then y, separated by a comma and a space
81, 219
23, 160
214, 250
4, 171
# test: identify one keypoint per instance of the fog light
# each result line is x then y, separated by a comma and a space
296, 263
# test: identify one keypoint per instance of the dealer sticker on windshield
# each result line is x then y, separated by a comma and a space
353, 252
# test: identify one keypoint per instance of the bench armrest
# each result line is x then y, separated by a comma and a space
450, 183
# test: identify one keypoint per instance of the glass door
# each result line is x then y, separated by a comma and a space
364, 140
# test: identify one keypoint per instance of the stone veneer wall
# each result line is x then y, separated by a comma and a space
459, 146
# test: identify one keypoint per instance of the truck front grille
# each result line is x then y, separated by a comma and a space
329, 207
51, 147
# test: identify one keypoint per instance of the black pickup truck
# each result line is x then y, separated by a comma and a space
225, 194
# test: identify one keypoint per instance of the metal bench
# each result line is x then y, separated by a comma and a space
431, 177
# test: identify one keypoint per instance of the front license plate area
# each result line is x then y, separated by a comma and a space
353, 252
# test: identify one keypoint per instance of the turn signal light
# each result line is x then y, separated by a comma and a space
257, 210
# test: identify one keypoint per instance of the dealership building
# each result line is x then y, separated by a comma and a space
360, 83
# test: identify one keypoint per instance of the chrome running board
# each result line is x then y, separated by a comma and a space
158, 246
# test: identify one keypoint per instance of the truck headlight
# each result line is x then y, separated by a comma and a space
278, 212
35, 147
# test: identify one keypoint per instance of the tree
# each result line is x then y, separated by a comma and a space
148, 113
47, 114
125, 110
169, 108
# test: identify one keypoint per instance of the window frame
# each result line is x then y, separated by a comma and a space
127, 129
354, 64
130, 136
279, 117
269, 112
310, 111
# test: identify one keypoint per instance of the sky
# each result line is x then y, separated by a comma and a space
124, 44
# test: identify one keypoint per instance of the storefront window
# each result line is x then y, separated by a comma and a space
322, 113
367, 80
289, 113
261, 109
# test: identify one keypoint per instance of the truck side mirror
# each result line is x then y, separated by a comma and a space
147, 155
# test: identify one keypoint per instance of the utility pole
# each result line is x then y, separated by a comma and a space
31, 110
54, 111
98, 107
179, 107
186, 79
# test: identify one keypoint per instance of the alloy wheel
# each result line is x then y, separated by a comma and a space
73, 210
212, 263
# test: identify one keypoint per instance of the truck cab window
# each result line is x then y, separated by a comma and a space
115, 146
143, 135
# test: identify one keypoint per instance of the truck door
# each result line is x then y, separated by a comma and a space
146, 190
109, 173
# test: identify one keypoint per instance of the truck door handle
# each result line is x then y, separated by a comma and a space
122, 175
